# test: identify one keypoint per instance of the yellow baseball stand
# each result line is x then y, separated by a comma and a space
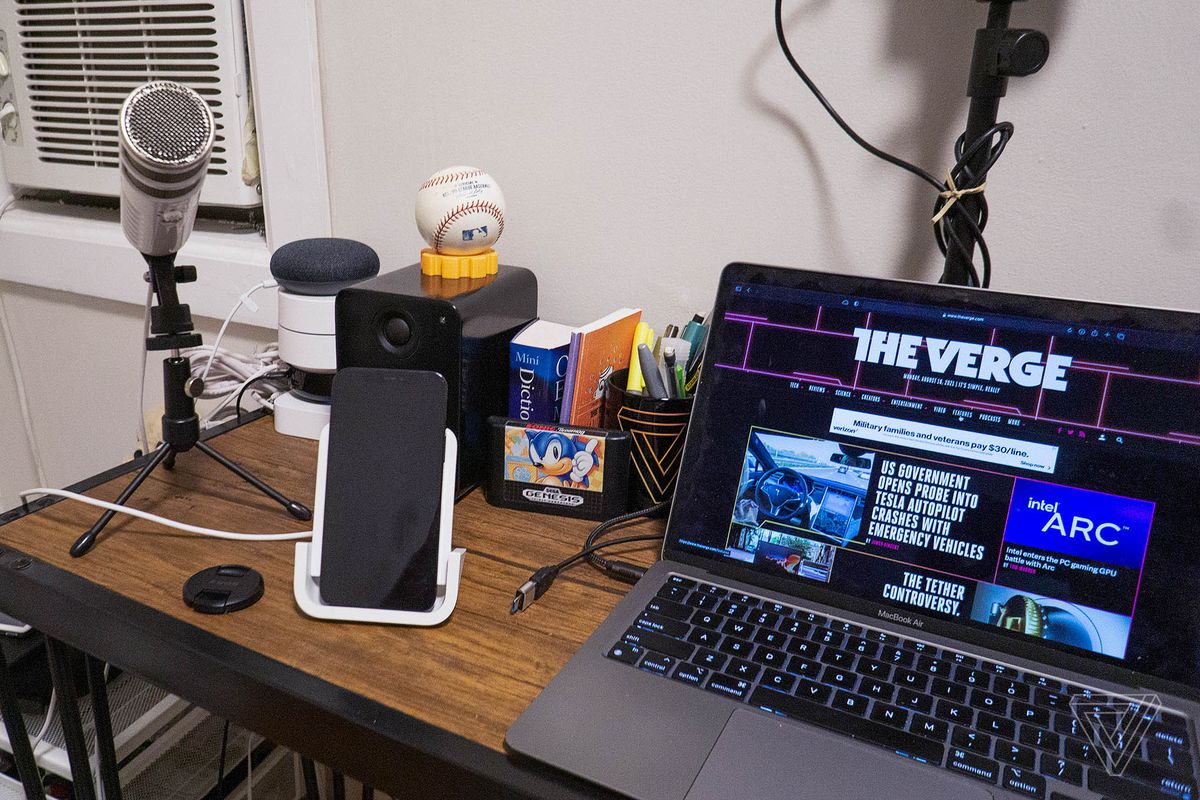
452, 267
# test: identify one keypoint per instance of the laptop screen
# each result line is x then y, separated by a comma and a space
922, 453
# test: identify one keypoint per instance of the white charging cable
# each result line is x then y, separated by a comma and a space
249, 768
38, 741
243, 300
22, 395
231, 372
170, 523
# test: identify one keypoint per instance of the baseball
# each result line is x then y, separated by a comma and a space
460, 211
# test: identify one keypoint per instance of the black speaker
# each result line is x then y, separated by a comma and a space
460, 328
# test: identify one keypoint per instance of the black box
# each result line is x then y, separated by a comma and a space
458, 327
533, 467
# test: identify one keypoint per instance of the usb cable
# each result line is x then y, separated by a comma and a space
540, 581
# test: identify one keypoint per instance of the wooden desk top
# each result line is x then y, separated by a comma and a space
471, 676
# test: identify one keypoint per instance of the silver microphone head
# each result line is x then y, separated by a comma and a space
166, 134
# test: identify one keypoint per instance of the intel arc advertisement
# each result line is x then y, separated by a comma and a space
1030, 474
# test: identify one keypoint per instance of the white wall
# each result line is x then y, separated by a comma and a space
641, 146
79, 357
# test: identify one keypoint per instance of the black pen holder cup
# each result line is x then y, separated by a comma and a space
657, 429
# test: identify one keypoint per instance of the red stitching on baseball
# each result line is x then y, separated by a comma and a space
462, 211
449, 177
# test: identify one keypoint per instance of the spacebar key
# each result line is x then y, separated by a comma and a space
858, 727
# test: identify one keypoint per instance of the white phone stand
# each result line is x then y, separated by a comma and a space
306, 582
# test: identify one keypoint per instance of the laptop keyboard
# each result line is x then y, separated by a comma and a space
998, 724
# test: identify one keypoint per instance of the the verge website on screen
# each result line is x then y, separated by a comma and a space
1035, 476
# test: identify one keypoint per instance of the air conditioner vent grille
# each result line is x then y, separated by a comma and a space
81, 58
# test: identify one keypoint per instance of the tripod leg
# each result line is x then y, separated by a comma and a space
88, 540
295, 509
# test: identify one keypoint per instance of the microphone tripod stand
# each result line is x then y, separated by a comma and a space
171, 326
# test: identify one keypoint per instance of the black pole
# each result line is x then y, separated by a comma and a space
18, 737
110, 777
1000, 52
59, 656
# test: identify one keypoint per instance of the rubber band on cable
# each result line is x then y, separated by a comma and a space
953, 194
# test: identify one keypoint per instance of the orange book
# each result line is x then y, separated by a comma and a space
597, 351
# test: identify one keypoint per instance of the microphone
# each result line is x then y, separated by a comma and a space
165, 132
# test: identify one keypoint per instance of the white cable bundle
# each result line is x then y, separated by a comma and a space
230, 372
223, 371
226, 373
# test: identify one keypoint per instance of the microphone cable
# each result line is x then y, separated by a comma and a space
961, 179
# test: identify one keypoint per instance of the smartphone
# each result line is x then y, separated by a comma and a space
383, 489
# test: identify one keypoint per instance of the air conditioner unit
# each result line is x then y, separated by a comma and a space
72, 62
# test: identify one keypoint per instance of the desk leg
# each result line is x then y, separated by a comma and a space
110, 779
339, 786
14, 723
311, 790
72, 723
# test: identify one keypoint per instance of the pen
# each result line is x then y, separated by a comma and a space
680, 382
693, 368
693, 332
669, 362
700, 334
654, 381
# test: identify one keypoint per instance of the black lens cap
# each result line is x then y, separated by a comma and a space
223, 589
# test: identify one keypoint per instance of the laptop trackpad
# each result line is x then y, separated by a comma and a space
764, 758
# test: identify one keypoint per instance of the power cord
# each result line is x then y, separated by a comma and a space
145, 436
238, 403
539, 583
960, 180
22, 394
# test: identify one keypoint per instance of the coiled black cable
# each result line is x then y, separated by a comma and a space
945, 234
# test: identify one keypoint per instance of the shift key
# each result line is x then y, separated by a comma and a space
858, 727
648, 640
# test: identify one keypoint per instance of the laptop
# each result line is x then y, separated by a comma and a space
927, 541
